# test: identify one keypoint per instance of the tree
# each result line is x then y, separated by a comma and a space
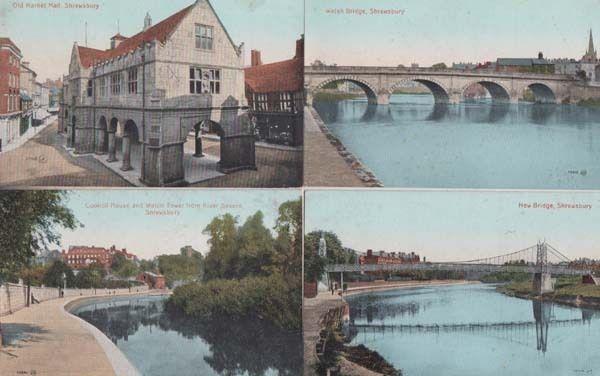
289, 236
180, 267
28, 220
439, 66
34, 275
123, 267
90, 277
255, 246
336, 252
221, 260
54, 275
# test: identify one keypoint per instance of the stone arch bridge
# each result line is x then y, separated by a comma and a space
446, 85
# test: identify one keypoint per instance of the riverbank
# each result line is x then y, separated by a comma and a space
573, 295
45, 339
327, 162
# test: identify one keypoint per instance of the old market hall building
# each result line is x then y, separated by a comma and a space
138, 101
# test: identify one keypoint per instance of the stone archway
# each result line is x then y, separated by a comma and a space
112, 140
541, 92
369, 91
498, 92
439, 92
102, 136
130, 147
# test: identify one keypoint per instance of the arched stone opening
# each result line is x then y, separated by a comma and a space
346, 87
497, 92
440, 94
542, 93
102, 136
131, 147
112, 140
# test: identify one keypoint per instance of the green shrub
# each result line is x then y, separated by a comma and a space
274, 298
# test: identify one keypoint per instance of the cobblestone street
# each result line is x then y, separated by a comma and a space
43, 162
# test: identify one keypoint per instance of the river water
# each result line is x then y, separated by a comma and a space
473, 330
415, 144
160, 344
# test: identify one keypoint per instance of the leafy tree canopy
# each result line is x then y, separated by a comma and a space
28, 220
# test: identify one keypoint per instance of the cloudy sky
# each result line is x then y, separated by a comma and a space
46, 36
107, 222
457, 225
432, 31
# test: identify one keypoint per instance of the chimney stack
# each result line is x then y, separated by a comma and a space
147, 21
255, 58
300, 48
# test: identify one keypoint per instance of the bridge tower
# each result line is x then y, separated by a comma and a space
542, 279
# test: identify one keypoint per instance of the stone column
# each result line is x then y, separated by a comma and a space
198, 141
126, 166
112, 147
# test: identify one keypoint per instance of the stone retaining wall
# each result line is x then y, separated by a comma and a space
13, 297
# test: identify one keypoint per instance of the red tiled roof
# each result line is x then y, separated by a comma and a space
160, 32
283, 76
9, 42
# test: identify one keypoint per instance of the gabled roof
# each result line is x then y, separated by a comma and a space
283, 76
160, 32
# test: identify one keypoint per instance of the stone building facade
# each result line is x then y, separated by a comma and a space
145, 94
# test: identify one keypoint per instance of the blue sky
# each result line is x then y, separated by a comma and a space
457, 225
46, 36
150, 235
435, 31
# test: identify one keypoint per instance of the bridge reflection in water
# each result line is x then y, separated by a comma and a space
521, 332
360, 111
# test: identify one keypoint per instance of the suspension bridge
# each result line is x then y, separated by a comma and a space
541, 260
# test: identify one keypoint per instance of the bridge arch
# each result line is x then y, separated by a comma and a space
542, 93
369, 90
497, 91
440, 93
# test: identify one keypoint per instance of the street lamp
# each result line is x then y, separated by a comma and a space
64, 280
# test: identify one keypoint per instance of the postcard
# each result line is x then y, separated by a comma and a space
151, 93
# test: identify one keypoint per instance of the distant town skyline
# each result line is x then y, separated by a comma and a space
455, 225
46, 36
107, 223
438, 31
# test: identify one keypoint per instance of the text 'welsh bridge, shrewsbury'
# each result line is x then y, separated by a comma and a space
541, 260
446, 85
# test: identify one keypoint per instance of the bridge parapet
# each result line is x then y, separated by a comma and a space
308, 70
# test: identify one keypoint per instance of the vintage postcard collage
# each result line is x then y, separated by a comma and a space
299, 187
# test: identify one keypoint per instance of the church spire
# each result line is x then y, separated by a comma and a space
591, 49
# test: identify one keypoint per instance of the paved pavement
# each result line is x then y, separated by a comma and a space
313, 311
46, 340
42, 161
323, 165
